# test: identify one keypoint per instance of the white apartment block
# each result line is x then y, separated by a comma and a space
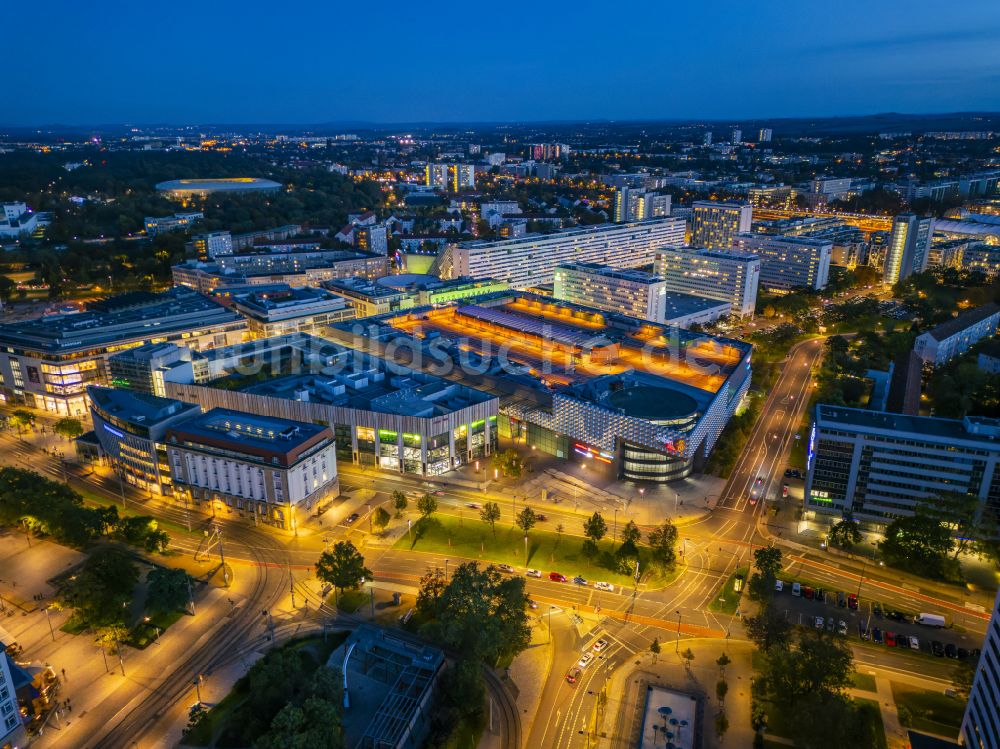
715, 225
953, 338
211, 245
531, 260
789, 262
725, 275
638, 204
630, 292
981, 725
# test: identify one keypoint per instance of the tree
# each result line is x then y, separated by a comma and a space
314, 725
143, 532
432, 585
688, 656
721, 690
962, 678
167, 589
380, 519
919, 543
819, 667
769, 629
721, 722
508, 463
722, 661
101, 591
767, 560
973, 525
662, 541
654, 648
845, 533
631, 533
427, 505
111, 637
490, 514
595, 528
559, 531
342, 566
479, 612
21, 418
399, 502
68, 427
526, 519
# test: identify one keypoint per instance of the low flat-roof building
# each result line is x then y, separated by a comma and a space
367, 297
145, 367
280, 311
879, 466
48, 362
273, 470
953, 338
286, 268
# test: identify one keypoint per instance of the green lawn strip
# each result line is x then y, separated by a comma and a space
546, 550
728, 599
864, 682
145, 633
871, 708
96, 499
350, 601
931, 711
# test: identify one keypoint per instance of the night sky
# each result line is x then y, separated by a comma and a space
83, 63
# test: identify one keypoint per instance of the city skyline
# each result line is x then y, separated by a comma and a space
683, 63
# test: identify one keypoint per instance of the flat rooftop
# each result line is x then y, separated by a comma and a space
677, 304
606, 271
222, 184
970, 429
137, 407
260, 436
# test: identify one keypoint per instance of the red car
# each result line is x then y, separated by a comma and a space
852, 602
557, 577
890, 639
808, 592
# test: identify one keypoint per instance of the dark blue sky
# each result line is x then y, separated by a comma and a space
436, 60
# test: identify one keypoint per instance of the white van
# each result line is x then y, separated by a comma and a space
929, 620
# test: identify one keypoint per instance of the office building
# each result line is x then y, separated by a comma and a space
130, 427
715, 225
293, 269
629, 291
639, 204
764, 136
373, 239
879, 466
145, 368
211, 245
644, 400
368, 298
831, 188
275, 471
17, 220
736, 136
48, 362
908, 251
952, 338
381, 413
290, 310
725, 275
981, 724
178, 222
788, 263
531, 260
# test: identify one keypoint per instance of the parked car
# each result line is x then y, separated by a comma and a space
818, 622
841, 599
573, 674
842, 628
913, 642
796, 589
877, 636
951, 651
896, 616
506, 568
533, 573
779, 585
557, 577
863, 632
352, 518
963, 654
937, 648
877, 609
831, 625
585, 660
579, 580
600, 645
601, 585
890, 639
820, 595
852, 602
808, 592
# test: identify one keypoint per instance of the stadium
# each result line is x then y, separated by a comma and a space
185, 189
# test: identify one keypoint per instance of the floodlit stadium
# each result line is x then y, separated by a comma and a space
182, 189
649, 399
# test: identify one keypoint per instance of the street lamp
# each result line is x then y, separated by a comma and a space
49, 620
614, 533
678, 647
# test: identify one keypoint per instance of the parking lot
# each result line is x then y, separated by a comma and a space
870, 617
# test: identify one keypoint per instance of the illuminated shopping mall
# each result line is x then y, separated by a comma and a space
648, 399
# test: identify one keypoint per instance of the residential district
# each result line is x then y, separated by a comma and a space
442, 437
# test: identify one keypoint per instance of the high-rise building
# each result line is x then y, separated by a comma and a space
638, 204
208, 246
436, 175
373, 239
707, 139
545, 151
981, 725
726, 275
715, 225
909, 247
789, 262
736, 137
765, 135
529, 261
878, 466
629, 291
462, 176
